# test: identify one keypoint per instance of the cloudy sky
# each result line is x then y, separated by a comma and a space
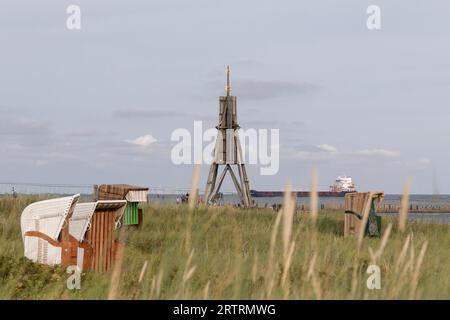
99, 104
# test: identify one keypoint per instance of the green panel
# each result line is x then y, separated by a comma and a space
130, 216
373, 226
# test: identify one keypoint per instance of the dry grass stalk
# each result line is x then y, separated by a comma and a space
115, 276
403, 253
191, 205
412, 255
187, 275
375, 256
158, 282
313, 277
314, 199
155, 289
416, 272
384, 240
288, 215
255, 266
189, 271
404, 204
402, 269
364, 219
409, 265
194, 186
269, 276
288, 245
354, 279
286, 267
206, 291
273, 237
144, 268
408, 268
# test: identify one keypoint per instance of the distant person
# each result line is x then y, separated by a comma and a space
14, 194
185, 198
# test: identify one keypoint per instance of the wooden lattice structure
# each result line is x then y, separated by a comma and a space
228, 152
355, 204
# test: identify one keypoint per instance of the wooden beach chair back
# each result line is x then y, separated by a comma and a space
355, 204
95, 227
45, 230
134, 195
78, 225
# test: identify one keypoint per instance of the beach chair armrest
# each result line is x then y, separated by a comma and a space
354, 213
43, 236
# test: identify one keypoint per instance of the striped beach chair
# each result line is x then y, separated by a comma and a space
45, 230
94, 226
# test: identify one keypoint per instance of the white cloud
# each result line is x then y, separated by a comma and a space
320, 152
303, 155
328, 152
40, 163
378, 153
308, 155
143, 141
327, 147
424, 161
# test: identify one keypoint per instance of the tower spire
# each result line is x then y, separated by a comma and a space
228, 86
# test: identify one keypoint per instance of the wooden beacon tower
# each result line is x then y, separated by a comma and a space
228, 152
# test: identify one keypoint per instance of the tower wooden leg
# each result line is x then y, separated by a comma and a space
219, 184
211, 182
235, 181
245, 195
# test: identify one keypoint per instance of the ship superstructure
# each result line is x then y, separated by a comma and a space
341, 186
343, 183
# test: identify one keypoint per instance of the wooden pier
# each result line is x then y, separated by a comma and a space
383, 208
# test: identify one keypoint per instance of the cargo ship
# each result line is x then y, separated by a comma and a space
341, 186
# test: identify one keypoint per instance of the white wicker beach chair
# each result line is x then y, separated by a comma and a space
42, 224
92, 225
81, 218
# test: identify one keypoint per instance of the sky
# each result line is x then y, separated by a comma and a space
99, 104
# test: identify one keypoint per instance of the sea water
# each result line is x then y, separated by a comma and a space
431, 202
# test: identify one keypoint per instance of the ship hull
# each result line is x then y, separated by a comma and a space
270, 194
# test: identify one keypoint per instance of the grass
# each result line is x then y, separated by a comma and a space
228, 253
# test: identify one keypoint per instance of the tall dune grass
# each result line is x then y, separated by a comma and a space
404, 204
241, 254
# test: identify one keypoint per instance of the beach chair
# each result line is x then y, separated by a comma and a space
93, 225
132, 194
354, 210
45, 231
